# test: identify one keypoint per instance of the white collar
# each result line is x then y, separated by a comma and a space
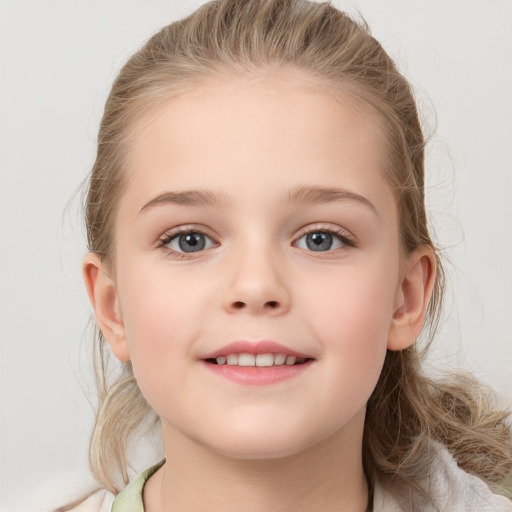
451, 490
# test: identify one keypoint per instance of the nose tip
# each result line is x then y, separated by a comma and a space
256, 277
256, 292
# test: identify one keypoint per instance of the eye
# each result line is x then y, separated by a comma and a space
187, 242
323, 240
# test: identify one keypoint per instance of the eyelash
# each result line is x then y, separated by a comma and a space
169, 237
346, 239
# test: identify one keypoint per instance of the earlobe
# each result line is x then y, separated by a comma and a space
104, 299
413, 298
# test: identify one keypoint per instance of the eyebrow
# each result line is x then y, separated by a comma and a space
188, 198
312, 194
299, 194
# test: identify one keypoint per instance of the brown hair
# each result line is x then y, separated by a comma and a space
406, 410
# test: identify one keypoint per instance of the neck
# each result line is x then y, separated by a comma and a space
327, 477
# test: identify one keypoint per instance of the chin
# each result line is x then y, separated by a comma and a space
259, 450
262, 443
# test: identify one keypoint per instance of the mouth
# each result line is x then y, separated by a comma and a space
258, 360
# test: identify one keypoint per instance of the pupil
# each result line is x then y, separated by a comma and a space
191, 242
319, 241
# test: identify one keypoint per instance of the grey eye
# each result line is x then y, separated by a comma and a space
319, 241
190, 242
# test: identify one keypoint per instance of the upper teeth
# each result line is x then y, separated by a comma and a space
259, 360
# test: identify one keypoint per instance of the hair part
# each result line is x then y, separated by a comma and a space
407, 410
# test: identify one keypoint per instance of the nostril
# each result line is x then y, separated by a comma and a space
239, 305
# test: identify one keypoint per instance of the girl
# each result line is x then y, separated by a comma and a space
260, 264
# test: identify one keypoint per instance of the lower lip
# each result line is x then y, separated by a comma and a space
258, 375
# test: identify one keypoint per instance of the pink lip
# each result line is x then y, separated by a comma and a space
253, 375
257, 376
257, 347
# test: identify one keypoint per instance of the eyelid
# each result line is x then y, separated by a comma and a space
171, 234
345, 236
328, 228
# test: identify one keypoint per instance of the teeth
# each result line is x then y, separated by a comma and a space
261, 360
232, 359
246, 360
264, 359
279, 359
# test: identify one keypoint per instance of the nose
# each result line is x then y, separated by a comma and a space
256, 285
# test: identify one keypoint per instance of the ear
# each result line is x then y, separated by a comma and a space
104, 299
413, 297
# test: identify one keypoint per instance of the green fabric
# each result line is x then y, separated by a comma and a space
130, 498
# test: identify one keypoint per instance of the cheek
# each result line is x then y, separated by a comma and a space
163, 314
351, 313
354, 300
157, 301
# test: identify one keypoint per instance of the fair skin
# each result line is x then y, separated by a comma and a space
300, 246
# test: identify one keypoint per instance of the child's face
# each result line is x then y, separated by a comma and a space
247, 169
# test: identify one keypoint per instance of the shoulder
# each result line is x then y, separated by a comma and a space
451, 490
130, 498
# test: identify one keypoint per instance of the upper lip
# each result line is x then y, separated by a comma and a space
254, 347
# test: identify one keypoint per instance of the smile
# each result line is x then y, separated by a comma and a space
260, 360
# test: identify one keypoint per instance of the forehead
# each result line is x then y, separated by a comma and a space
272, 130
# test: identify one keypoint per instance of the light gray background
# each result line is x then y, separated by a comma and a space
57, 61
